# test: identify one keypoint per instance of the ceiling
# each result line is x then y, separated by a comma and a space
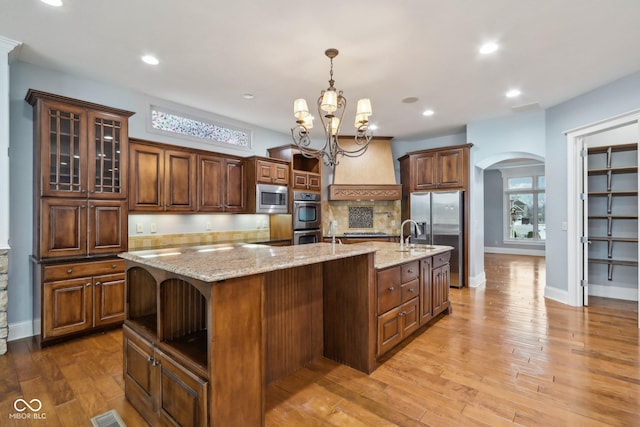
211, 53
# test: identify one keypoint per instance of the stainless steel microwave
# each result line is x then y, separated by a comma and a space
272, 199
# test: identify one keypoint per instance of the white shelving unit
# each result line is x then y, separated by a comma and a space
612, 215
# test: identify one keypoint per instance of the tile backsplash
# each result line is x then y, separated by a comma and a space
362, 216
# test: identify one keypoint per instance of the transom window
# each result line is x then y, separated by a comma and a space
164, 120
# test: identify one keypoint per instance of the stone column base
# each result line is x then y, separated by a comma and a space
4, 300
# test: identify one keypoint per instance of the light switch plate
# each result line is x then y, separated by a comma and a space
139, 228
153, 228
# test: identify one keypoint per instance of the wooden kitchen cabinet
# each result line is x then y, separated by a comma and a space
81, 147
398, 296
161, 180
80, 214
221, 184
159, 387
79, 297
271, 172
409, 295
437, 169
308, 181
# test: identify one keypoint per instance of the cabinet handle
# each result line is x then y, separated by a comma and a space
391, 289
410, 271
92, 206
402, 313
149, 358
98, 283
88, 284
410, 289
70, 270
155, 363
83, 190
113, 266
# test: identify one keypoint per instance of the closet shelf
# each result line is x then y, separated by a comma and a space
613, 193
604, 171
614, 239
613, 262
614, 148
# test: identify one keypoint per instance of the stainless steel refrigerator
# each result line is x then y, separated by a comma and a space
441, 219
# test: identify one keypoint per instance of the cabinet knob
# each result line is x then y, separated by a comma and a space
92, 206
83, 190
70, 270
410, 289
410, 271
149, 358
113, 266
88, 284
98, 283
155, 363
391, 289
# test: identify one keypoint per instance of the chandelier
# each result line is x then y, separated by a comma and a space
331, 108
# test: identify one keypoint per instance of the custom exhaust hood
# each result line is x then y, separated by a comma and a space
368, 177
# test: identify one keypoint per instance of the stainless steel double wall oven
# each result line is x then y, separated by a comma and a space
307, 218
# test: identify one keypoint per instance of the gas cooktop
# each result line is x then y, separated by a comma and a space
366, 233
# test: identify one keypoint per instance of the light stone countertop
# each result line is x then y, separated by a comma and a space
212, 263
388, 254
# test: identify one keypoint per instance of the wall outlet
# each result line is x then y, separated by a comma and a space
393, 222
209, 226
139, 228
153, 227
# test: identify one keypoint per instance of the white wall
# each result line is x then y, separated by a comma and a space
607, 101
519, 135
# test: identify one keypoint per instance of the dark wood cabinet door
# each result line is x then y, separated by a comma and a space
211, 183
140, 379
62, 131
410, 316
451, 168
180, 180
107, 226
424, 172
314, 181
108, 299
182, 396
440, 289
235, 188
64, 228
426, 296
146, 186
68, 305
280, 174
271, 173
389, 330
107, 154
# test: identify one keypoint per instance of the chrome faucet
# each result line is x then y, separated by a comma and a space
402, 230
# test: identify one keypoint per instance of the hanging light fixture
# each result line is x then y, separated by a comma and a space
331, 108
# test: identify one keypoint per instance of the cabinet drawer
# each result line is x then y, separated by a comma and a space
441, 259
409, 271
389, 293
82, 269
410, 290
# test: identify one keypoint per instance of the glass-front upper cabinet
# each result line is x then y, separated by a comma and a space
83, 147
108, 149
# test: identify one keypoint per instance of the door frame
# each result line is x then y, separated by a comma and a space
575, 219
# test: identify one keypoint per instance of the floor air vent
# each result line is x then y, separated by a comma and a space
108, 419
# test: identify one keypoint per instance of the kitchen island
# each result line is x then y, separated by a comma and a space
208, 328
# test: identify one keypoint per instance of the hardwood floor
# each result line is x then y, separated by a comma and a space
504, 356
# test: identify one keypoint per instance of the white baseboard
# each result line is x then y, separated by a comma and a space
617, 292
557, 295
477, 280
20, 330
513, 251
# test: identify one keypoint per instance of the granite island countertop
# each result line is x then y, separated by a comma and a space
388, 254
212, 263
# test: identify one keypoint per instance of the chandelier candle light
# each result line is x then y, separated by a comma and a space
331, 108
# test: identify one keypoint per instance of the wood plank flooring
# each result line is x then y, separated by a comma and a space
504, 356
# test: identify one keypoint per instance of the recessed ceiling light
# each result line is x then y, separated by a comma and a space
247, 96
150, 59
428, 113
513, 93
488, 48
56, 3
410, 100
